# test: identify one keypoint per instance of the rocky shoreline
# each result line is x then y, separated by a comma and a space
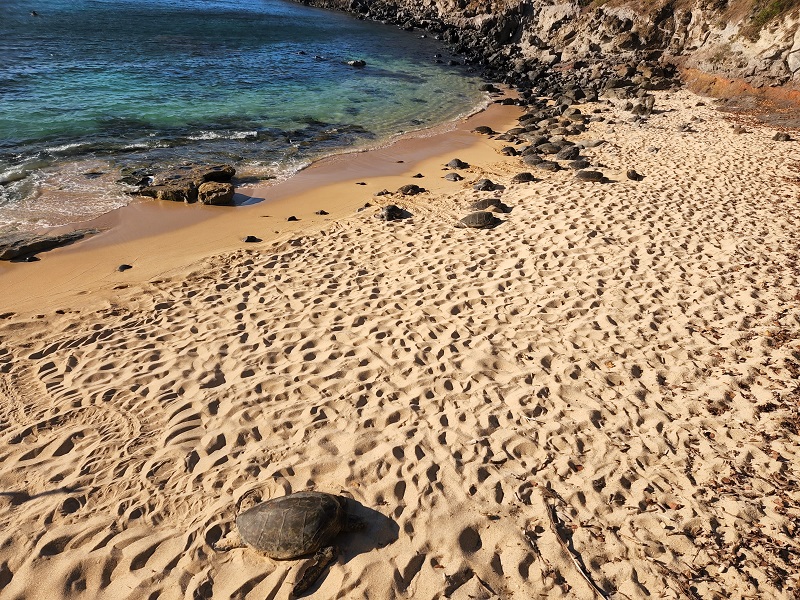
532, 45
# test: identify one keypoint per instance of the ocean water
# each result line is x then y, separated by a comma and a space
89, 88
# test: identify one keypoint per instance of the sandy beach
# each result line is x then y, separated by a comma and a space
597, 398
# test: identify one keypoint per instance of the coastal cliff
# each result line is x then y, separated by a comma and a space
758, 42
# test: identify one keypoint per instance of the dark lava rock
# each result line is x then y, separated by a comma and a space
488, 87
124, 267
292, 218
418, 176
523, 178
484, 185
453, 177
321, 212
410, 190
250, 239
548, 165
633, 175
589, 176
17, 245
357, 63
457, 163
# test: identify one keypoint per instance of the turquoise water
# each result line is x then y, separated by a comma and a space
89, 87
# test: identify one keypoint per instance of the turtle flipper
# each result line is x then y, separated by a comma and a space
322, 559
233, 540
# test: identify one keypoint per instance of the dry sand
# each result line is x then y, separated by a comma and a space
601, 391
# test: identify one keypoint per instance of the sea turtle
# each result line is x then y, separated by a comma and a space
457, 163
477, 220
390, 212
294, 526
453, 177
589, 176
491, 204
484, 185
524, 177
410, 190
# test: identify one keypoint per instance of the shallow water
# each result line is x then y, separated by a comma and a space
89, 87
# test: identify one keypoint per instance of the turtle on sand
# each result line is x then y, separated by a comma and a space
478, 220
294, 526
490, 204
390, 212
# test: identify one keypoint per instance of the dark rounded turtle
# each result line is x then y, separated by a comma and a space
523, 178
457, 163
293, 526
453, 177
782, 136
548, 148
484, 185
633, 175
548, 165
568, 153
489, 204
532, 159
509, 151
579, 164
390, 213
484, 130
477, 220
410, 190
589, 175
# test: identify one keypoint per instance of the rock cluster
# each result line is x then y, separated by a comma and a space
192, 183
522, 41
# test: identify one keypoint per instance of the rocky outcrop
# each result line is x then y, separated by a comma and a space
518, 39
183, 184
22, 245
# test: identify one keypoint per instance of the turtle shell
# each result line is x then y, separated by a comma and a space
477, 220
293, 525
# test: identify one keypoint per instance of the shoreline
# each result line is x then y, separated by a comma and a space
160, 238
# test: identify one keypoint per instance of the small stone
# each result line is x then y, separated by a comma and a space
383, 192
418, 176
124, 267
361, 183
250, 239
321, 212
292, 218
633, 175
